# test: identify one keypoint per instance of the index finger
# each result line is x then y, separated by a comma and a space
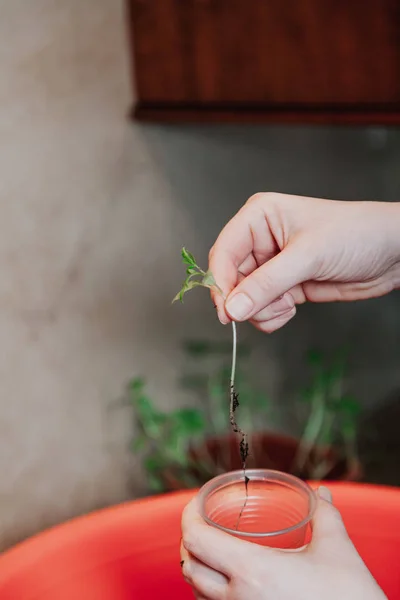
245, 242
233, 245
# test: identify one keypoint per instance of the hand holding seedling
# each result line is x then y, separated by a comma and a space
221, 567
280, 250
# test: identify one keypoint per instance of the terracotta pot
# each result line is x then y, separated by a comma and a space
268, 451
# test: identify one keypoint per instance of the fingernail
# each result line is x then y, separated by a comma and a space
239, 307
282, 304
325, 494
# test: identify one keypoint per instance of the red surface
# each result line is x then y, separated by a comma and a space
131, 552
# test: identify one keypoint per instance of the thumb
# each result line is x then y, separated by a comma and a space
217, 549
267, 283
327, 524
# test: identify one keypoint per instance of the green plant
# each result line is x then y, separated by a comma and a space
332, 419
164, 437
174, 443
195, 277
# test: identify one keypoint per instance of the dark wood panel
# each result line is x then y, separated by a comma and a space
279, 52
161, 50
183, 113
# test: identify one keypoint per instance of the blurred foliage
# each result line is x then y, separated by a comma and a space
204, 348
332, 416
165, 438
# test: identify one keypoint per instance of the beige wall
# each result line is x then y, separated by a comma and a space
93, 211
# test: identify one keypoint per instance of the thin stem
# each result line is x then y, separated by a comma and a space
234, 354
234, 403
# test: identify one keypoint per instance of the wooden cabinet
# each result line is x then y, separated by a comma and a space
297, 60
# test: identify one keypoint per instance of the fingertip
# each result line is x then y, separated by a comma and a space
327, 522
190, 515
219, 306
325, 494
223, 317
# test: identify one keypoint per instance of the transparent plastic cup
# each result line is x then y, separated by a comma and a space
277, 513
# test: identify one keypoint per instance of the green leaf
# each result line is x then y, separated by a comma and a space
179, 296
314, 358
145, 407
186, 287
188, 258
176, 450
153, 463
349, 405
151, 419
189, 420
137, 384
189, 285
192, 270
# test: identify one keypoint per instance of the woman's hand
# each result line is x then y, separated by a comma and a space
279, 251
221, 567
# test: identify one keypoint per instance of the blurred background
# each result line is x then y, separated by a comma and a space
108, 392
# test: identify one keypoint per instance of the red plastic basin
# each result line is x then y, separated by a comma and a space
131, 551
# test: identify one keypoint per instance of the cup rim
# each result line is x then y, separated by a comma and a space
233, 477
